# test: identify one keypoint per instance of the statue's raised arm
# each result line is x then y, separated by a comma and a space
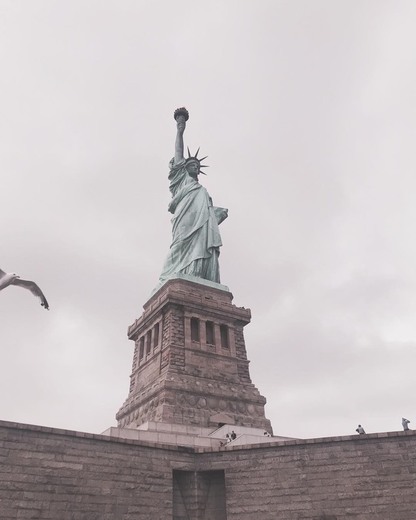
181, 116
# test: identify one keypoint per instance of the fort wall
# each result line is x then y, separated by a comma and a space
52, 474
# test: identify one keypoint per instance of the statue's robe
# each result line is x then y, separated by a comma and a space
195, 235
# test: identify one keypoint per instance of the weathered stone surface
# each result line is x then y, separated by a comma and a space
190, 362
51, 474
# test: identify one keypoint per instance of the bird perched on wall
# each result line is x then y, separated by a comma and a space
7, 279
405, 424
360, 429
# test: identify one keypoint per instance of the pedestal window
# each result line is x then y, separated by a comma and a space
195, 335
225, 339
209, 329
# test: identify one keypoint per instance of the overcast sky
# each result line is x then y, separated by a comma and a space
307, 111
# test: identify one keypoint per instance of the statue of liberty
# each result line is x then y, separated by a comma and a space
196, 238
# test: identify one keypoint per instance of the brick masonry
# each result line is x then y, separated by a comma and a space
190, 362
51, 474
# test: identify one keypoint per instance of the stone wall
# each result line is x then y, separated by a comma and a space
50, 474
360, 477
190, 361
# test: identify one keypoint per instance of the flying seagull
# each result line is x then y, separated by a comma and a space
7, 279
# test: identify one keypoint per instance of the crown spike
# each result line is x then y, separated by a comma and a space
196, 155
189, 153
203, 158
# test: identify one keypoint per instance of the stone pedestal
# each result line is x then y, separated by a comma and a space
190, 364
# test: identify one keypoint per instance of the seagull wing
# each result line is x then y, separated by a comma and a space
2, 273
33, 288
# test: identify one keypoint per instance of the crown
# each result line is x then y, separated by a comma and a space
195, 158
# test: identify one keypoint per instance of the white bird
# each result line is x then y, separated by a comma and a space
7, 279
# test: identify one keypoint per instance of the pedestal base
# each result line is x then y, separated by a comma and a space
190, 365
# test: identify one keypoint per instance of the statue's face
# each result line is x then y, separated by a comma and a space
193, 168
